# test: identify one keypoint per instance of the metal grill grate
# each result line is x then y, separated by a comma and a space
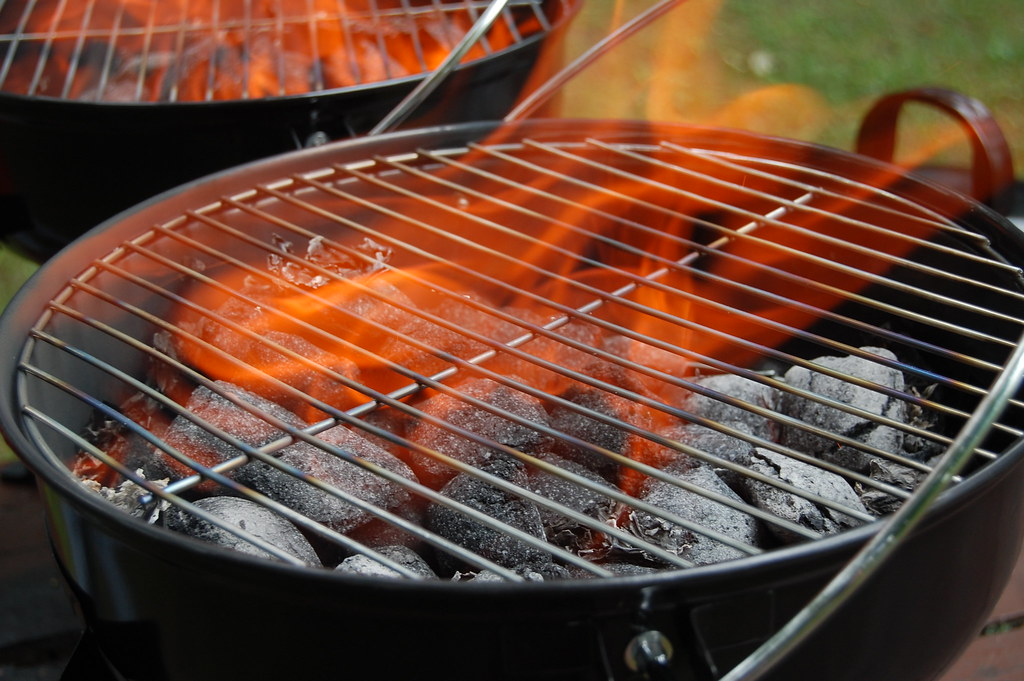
127, 51
631, 269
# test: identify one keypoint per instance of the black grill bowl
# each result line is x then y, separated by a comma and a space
162, 606
115, 155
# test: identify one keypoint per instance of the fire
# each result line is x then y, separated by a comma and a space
188, 50
697, 261
693, 262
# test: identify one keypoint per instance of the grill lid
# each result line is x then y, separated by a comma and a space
658, 340
194, 52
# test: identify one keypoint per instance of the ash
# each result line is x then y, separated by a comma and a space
127, 496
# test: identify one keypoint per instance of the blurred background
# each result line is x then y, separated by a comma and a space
806, 70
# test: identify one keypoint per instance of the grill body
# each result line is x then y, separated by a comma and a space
117, 154
164, 607
147, 599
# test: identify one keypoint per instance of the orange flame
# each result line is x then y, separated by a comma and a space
736, 276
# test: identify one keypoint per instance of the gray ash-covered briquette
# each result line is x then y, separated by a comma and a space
204, 447
495, 545
701, 510
359, 564
561, 529
796, 508
324, 465
469, 417
720, 447
743, 390
874, 402
529, 572
246, 515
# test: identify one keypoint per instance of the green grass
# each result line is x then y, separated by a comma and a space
809, 70
14, 270
851, 52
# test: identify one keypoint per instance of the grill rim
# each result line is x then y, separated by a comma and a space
97, 243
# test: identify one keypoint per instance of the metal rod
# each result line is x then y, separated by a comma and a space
76, 53
425, 87
542, 94
892, 533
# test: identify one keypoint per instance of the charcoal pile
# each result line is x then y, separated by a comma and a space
577, 447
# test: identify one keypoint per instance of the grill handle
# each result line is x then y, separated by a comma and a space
991, 175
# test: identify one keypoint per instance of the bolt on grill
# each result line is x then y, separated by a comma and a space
128, 51
635, 271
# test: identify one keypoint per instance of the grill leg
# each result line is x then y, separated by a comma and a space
87, 663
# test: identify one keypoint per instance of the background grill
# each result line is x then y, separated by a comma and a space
158, 94
169, 52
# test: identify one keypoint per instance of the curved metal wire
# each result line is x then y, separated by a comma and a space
889, 537
425, 87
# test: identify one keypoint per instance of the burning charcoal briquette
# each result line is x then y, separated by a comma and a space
122, 443
606, 434
246, 515
654, 358
403, 555
264, 365
561, 529
379, 315
205, 447
462, 315
486, 424
554, 348
703, 511
853, 426
321, 505
798, 509
493, 544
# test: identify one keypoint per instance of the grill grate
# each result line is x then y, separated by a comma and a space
127, 51
629, 268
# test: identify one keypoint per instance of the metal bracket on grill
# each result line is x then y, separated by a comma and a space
650, 654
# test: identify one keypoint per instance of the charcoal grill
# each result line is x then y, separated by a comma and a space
93, 83
709, 252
